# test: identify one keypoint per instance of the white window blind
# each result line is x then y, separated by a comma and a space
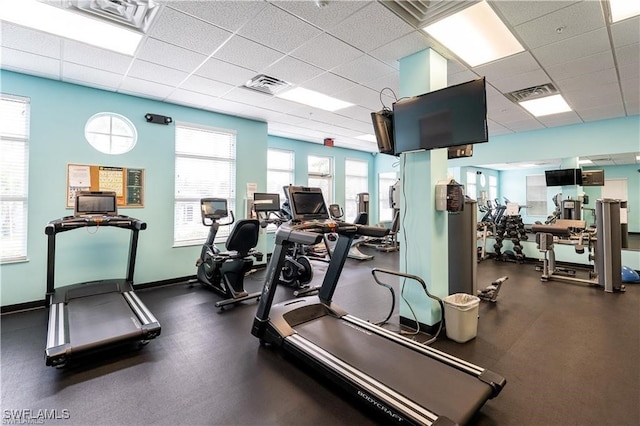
385, 180
320, 175
14, 168
493, 187
356, 180
280, 168
205, 167
536, 195
472, 188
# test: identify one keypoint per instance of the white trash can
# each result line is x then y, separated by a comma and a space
461, 316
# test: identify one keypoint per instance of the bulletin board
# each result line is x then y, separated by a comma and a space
127, 183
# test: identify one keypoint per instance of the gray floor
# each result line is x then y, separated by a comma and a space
570, 355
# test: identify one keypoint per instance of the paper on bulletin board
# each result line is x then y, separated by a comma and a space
79, 180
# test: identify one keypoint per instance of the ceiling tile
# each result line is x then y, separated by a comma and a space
562, 119
154, 72
357, 112
230, 15
279, 30
247, 96
573, 48
95, 57
521, 81
225, 72
514, 64
631, 89
79, 74
510, 114
587, 65
496, 129
596, 95
363, 96
201, 37
326, 52
633, 108
29, 63
28, 40
147, 89
323, 17
293, 70
171, 56
602, 112
186, 97
461, 77
628, 55
247, 54
626, 32
205, 86
588, 80
518, 12
562, 24
524, 125
371, 27
329, 84
363, 69
389, 81
401, 47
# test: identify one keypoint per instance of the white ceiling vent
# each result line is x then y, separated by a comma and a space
266, 84
421, 13
535, 92
132, 13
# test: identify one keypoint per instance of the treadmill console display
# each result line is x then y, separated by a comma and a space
96, 203
214, 208
263, 202
307, 204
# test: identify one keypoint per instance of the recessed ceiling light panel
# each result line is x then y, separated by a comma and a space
314, 99
623, 9
546, 106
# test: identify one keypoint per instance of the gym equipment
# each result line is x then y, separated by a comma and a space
221, 271
463, 249
398, 378
490, 292
389, 242
94, 315
511, 227
297, 271
629, 275
336, 213
607, 269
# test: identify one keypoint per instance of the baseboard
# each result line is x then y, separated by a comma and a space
424, 328
19, 307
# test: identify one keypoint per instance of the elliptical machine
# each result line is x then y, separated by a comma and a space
224, 271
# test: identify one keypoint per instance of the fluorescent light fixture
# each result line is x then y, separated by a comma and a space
314, 99
63, 23
546, 106
476, 34
527, 165
585, 161
637, 157
623, 9
368, 138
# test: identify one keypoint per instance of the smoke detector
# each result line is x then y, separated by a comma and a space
534, 92
137, 14
266, 84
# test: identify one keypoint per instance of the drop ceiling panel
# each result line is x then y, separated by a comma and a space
518, 12
389, 81
562, 119
147, 89
31, 41
601, 112
95, 57
171, 56
371, 27
247, 54
562, 24
247, 96
323, 17
224, 72
607, 76
326, 52
201, 37
89, 76
293, 70
205, 86
153, 72
599, 94
230, 15
590, 64
574, 48
329, 84
359, 113
189, 98
279, 30
524, 125
404, 46
628, 55
515, 64
363, 96
631, 89
625, 32
29, 63
461, 77
363, 69
496, 129
521, 81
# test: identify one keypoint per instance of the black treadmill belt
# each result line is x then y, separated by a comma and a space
100, 320
434, 385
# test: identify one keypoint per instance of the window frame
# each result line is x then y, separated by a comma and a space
351, 203
328, 177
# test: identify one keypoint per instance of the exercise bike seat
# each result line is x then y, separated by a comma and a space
235, 262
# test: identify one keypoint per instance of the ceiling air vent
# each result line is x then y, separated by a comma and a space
132, 13
266, 84
421, 13
532, 93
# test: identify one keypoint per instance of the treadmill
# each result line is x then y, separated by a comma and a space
399, 379
91, 316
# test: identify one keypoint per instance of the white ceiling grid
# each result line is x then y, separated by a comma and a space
200, 53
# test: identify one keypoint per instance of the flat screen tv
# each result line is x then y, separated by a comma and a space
452, 116
563, 177
593, 178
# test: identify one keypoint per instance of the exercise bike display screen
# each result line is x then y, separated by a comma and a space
308, 206
214, 207
263, 202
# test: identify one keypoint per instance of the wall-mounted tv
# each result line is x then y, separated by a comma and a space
383, 128
563, 177
452, 116
593, 178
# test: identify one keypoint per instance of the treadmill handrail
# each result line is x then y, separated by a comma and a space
69, 223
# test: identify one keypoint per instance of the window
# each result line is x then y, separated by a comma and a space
14, 165
110, 133
472, 191
493, 187
205, 167
279, 171
356, 180
321, 176
536, 195
385, 180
